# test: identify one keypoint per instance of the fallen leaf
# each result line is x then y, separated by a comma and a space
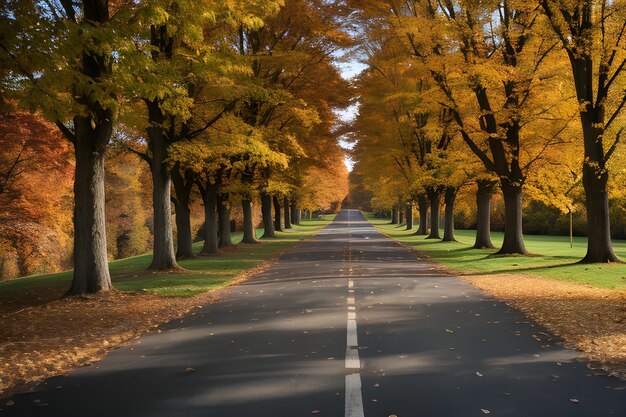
485, 411
189, 370
574, 400
315, 411
479, 374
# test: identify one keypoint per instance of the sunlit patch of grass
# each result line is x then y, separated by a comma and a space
200, 274
551, 257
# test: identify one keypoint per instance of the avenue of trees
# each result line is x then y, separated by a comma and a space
123, 121
224, 102
523, 98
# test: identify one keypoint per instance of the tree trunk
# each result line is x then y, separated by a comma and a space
434, 215
184, 239
287, 214
400, 216
422, 205
182, 193
279, 223
599, 245
394, 216
225, 237
91, 268
266, 211
483, 215
409, 216
298, 216
448, 222
249, 234
209, 198
92, 134
295, 214
163, 257
513, 237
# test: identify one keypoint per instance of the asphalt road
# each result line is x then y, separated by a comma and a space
348, 323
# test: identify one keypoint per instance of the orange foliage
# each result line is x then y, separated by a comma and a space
36, 173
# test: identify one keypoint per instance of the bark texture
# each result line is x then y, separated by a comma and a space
422, 206
433, 196
266, 211
249, 234
225, 237
287, 215
599, 245
91, 268
183, 183
483, 215
448, 221
279, 222
513, 242
209, 199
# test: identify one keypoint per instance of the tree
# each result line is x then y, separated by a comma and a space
291, 58
593, 34
36, 171
60, 60
488, 72
128, 206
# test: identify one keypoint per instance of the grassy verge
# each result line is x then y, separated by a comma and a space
552, 256
201, 274
56, 334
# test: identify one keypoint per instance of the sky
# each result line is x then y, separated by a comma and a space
349, 70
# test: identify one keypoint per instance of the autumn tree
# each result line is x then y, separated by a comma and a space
60, 61
488, 63
593, 35
36, 171
184, 51
291, 58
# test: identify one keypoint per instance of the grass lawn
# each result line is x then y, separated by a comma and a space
552, 256
202, 274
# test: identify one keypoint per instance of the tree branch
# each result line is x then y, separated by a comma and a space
69, 135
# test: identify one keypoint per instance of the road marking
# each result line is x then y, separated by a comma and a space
354, 397
351, 337
354, 400
352, 358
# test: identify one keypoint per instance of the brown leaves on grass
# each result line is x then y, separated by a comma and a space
592, 320
45, 334
53, 338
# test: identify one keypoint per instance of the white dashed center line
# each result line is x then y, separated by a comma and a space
351, 337
352, 358
354, 400
354, 397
